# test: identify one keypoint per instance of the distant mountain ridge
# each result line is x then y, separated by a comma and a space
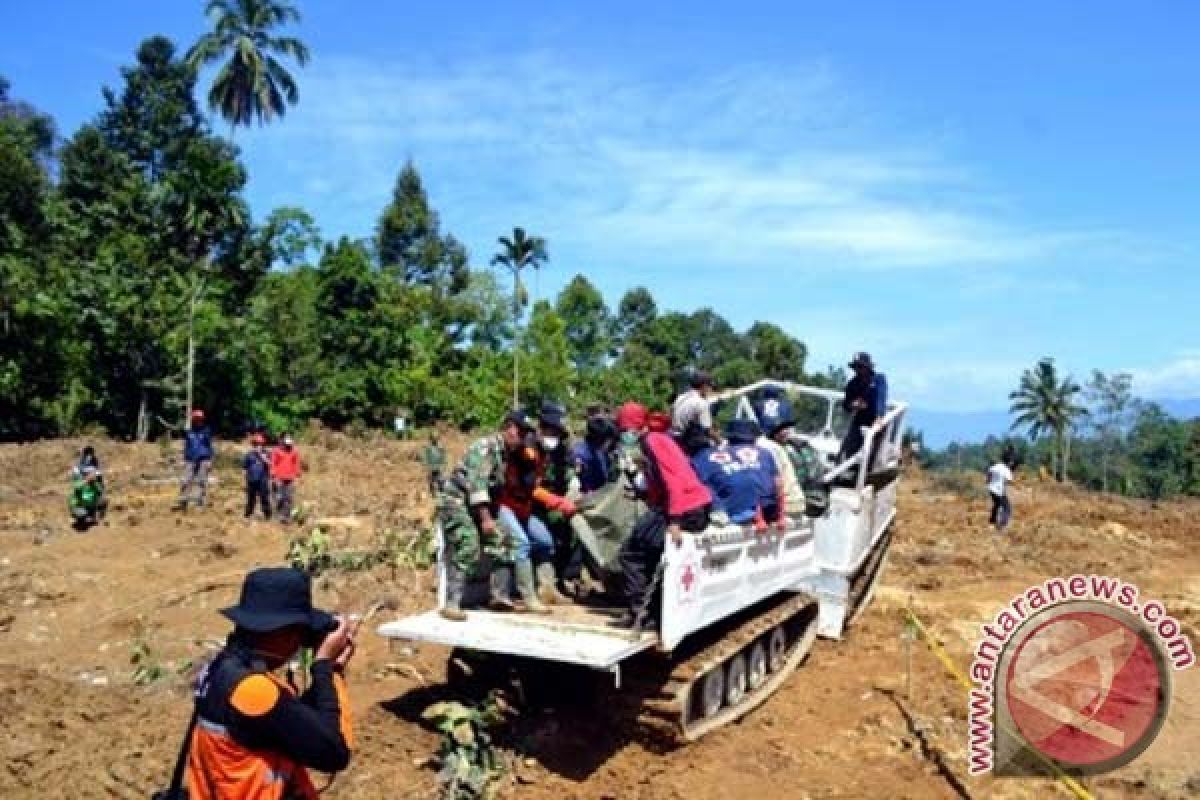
943, 427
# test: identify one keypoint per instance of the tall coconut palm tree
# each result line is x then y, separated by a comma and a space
252, 85
516, 253
1043, 404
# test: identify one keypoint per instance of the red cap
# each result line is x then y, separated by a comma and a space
658, 421
631, 416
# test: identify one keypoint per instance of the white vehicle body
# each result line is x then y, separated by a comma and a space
714, 574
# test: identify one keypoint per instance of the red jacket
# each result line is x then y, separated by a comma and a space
671, 483
285, 464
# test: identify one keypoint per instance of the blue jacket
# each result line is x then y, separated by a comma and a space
257, 466
874, 392
197, 444
591, 465
738, 477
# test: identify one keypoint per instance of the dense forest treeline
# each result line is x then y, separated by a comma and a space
128, 251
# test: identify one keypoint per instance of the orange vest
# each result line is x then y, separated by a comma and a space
219, 768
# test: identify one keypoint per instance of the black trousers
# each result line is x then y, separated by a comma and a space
1001, 511
259, 492
643, 550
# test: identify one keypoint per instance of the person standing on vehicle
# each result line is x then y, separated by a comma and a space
676, 501
692, 407
255, 735
999, 475
866, 399
285, 471
198, 453
257, 466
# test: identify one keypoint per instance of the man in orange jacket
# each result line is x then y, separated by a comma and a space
254, 735
285, 469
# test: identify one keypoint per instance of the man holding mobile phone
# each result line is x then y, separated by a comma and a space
255, 735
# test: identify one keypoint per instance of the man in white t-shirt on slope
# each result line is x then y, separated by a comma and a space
999, 475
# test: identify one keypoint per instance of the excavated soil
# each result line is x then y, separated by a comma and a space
854, 721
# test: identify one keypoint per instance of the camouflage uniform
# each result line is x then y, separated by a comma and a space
475, 481
433, 458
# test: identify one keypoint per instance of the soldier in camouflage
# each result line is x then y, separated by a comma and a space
485, 514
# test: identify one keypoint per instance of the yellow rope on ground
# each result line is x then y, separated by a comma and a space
1072, 785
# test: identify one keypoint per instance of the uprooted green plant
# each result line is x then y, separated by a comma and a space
313, 553
470, 763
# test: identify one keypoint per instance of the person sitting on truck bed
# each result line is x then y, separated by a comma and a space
742, 476
676, 501
866, 398
775, 418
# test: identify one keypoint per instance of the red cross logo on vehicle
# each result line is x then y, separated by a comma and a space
688, 579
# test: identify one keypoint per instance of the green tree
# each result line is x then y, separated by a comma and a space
635, 312
548, 370
588, 326
1044, 404
252, 84
1159, 447
775, 354
1112, 401
519, 252
152, 218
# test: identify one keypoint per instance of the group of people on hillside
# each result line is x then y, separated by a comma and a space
269, 473
505, 509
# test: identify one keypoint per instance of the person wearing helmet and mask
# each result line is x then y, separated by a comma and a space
559, 480
257, 466
198, 456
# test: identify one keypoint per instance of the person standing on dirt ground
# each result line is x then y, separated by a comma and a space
676, 501
254, 736
285, 470
198, 453
257, 465
999, 475
433, 457
866, 399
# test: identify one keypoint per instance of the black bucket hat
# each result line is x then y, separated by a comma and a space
278, 597
553, 415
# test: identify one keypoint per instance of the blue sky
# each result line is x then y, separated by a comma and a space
959, 189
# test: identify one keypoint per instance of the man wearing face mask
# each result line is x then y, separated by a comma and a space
285, 470
560, 481
254, 733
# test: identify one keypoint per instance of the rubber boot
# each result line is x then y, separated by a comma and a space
526, 588
499, 597
455, 583
546, 589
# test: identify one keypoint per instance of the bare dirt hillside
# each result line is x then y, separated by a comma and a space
76, 608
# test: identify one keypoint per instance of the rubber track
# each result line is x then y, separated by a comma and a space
670, 704
862, 588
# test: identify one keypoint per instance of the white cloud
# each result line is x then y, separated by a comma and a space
1178, 378
755, 166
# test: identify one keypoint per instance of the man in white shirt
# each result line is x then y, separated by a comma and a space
692, 408
999, 475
